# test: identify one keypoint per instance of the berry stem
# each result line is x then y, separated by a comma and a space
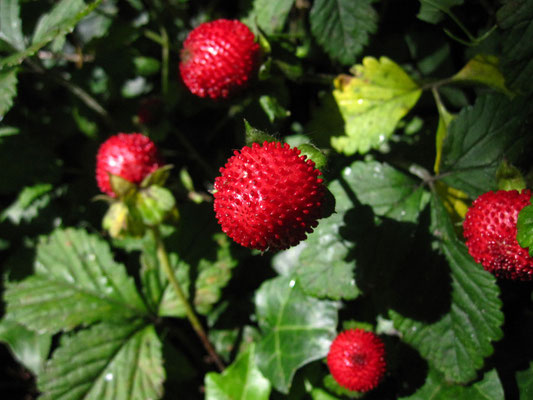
164, 61
162, 256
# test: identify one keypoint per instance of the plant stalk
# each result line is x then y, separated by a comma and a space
162, 256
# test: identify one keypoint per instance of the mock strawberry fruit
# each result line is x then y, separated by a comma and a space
356, 360
269, 196
219, 58
132, 156
490, 233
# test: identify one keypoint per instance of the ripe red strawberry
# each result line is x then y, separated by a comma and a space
490, 233
268, 197
131, 156
356, 360
219, 58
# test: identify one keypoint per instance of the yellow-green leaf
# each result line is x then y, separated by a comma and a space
445, 118
483, 69
372, 102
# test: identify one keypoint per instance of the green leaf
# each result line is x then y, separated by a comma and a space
119, 362
198, 249
388, 191
8, 90
97, 24
29, 347
509, 177
146, 65
157, 177
524, 226
296, 329
323, 267
479, 138
342, 27
154, 204
242, 380
319, 394
8, 131
272, 14
48, 32
458, 341
254, 135
62, 12
437, 388
516, 21
524, 380
28, 203
445, 119
322, 263
272, 108
213, 276
372, 102
314, 154
484, 69
433, 11
11, 24
76, 282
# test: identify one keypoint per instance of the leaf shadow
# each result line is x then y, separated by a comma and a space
396, 264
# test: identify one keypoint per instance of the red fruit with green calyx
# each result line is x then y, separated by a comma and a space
131, 156
268, 196
219, 58
356, 360
490, 233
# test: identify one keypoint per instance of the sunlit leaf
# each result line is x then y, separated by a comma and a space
242, 380
11, 24
296, 329
372, 102
29, 347
343, 27
27, 204
322, 263
48, 32
76, 282
62, 12
484, 69
388, 191
120, 362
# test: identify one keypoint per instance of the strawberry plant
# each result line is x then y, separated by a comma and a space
266, 199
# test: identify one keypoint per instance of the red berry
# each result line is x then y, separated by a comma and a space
356, 360
490, 233
268, 197
132, 156
219, 58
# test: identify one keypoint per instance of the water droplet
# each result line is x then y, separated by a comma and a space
347, 171
109, 376
292, 283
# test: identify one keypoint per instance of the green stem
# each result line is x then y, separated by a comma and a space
164, 60
162, 256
